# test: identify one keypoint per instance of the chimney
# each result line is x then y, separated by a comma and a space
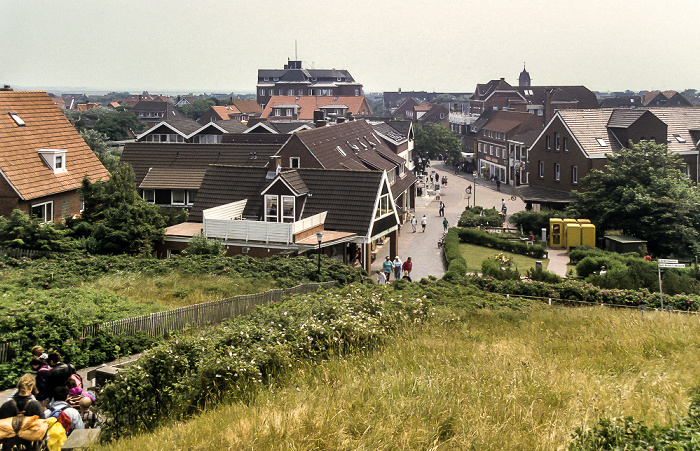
276, 163
340, 119
319, 120
6, 88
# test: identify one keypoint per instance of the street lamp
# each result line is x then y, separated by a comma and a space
319, 237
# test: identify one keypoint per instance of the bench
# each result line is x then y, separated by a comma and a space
82, 438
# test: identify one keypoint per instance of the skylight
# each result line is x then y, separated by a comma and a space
602, 142
18, 120
679, 138
341, 151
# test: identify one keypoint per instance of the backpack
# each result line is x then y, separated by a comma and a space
78, 379
63, 418
22, 433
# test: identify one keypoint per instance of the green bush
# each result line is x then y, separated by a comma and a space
480, 217
627, 434
201, 245
543, 276
534, 221
494, 269
485, 239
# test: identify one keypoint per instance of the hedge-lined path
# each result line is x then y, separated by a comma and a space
422, 247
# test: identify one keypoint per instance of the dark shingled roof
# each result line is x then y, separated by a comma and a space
230, 126
538, 195
294, 180
402, 184
225, 184
347, 211
173, 178
623, 118
324, 142
327, 188
255, 138
143, 156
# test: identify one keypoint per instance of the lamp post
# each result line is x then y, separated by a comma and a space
319, 237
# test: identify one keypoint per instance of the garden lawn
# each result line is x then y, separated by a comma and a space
474, 255
490, 379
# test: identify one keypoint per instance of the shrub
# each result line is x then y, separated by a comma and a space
534, 221
543, 276
456, 264
201, 245
485, 239
480, 217
493, 269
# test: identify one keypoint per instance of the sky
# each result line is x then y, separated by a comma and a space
217, 46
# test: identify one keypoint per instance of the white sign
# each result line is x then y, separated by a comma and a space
667, 260
671, 265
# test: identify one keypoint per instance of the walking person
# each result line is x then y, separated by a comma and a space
423, 223
397, 267
407, 268
498, 184
445, 224
414, 223
441, 211
387, 266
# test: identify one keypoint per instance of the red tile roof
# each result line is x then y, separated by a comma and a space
45, 127
309, 104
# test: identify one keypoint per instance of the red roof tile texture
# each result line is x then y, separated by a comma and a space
45, 127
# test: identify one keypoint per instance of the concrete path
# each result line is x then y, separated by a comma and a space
422, 246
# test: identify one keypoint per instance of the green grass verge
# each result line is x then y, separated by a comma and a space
474, 255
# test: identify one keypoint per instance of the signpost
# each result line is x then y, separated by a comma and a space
666, 263
468, 195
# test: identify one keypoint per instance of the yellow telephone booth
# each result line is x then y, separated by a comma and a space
573, 235
555, 232
583, 221
564, 235
588, 235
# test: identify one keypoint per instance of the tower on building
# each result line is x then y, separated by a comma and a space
524, 79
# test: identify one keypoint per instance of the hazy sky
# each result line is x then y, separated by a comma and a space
441, 45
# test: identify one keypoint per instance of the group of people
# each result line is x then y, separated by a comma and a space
414, 223
396, 267
52, 390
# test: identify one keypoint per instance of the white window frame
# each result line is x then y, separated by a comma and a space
190, 196
557, 143
540, 169
286, 217
383, 206
270, 200
145, 196
294, 162
566, 143
172, 197
557, 172
47, 211
548, 142
574, 175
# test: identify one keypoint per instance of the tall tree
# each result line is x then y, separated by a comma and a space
115, 220
433, 140
644, 192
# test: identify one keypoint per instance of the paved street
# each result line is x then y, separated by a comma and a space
422, 247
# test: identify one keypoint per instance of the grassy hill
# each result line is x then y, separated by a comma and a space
483, 372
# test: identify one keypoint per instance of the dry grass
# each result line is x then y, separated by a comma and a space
177, 290
486, 381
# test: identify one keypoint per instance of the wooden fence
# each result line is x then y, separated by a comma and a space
19, 253
198, 315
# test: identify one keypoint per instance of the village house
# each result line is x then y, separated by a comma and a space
151, 112
170, 174
186, 130
43, 159
291, 212
302, 108
575, 142
294, 80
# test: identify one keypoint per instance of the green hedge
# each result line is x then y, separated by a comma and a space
456, 264
481, 238
581, 291
178, 378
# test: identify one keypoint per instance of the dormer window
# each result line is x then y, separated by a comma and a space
679, 138
18, 120
55, 159
601, 142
